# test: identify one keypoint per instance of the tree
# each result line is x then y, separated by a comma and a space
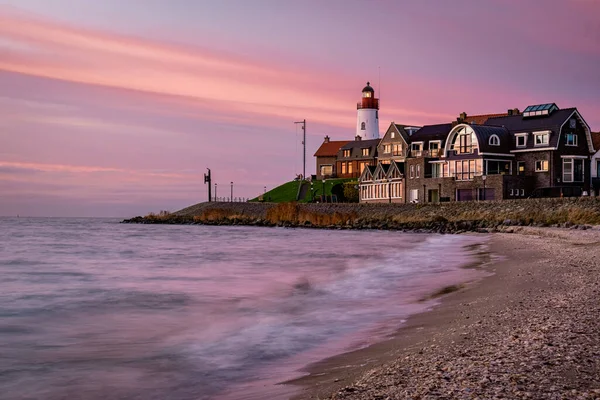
351, 192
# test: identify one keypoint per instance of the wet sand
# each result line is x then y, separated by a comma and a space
530, 330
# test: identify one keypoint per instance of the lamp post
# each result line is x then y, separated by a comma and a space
215, 191
231, 198
323, 189
483, 177
312, 192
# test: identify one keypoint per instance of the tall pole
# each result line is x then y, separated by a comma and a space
231, 198
303, 122
215, 191
207, 179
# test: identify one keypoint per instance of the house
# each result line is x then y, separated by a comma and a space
355, 156
595, 164
326, 156
506, 157
382, 184
394, 143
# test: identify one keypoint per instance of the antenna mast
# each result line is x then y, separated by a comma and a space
303, 122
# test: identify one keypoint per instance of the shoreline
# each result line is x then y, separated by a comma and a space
499, 336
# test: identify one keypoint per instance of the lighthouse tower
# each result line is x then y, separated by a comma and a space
367, 121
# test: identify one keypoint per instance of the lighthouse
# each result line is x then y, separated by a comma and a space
367, 121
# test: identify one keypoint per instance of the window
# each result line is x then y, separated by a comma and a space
521, 140
571, 139
414, 195
393, 134
434, 149
418, 174
494, 140
344, 168
464, 142
439, 170
397, 150
465, 169
365, 152
541, 166
520, 167
362, 126
572, 170
350, 167
346, 153
326, 170
542, 139
495, 167
416, 149
412, 171
387, 148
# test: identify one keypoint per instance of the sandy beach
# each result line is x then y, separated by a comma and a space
529, 330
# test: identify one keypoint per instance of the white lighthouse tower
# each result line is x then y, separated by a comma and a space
367, 121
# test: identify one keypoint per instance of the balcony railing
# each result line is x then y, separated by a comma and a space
368, 102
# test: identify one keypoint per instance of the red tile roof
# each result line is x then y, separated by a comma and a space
596, 140
331, 148
480, 119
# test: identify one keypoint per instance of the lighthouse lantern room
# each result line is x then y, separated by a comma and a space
367, 122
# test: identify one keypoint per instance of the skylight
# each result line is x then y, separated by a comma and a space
540, 109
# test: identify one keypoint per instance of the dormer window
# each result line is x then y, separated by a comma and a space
365, 151
362, 126
542, 138
494, 140
347, 153
521, 139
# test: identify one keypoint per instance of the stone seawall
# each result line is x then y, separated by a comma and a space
454, 217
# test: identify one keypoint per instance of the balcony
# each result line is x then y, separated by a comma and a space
368, 102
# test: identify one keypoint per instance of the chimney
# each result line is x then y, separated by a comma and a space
510, 112
463, 116
516, 111
326, 139
357, 138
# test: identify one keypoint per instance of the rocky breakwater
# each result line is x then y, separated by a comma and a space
455, 217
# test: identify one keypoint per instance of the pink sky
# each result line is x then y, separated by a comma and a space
117, 108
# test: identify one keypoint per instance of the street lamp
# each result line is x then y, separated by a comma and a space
312, 192
231, 198
215, 191
483, 177
323, 188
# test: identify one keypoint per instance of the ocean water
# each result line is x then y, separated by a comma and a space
94, 309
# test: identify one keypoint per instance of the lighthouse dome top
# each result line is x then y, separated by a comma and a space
368, 88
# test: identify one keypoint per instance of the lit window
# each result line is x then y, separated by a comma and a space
326, 170
350, 167
397, 150
412, 171
521, 141
393, 134
521, 168
365, 152
542, 139
387, 148
414, 195
362, 126
571, 139
343, 168
541, 166
494, 140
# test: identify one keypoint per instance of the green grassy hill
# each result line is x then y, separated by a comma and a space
288, 191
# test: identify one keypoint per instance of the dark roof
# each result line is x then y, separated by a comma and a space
330, 149
518, 123
355, 147
484, 133
402, 129
368, 88
432, 132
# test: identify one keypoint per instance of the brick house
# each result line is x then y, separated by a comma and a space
355, 156
595, 164
326, 156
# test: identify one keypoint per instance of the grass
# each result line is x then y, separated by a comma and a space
288, 191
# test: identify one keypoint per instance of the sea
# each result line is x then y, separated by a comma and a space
94, 309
